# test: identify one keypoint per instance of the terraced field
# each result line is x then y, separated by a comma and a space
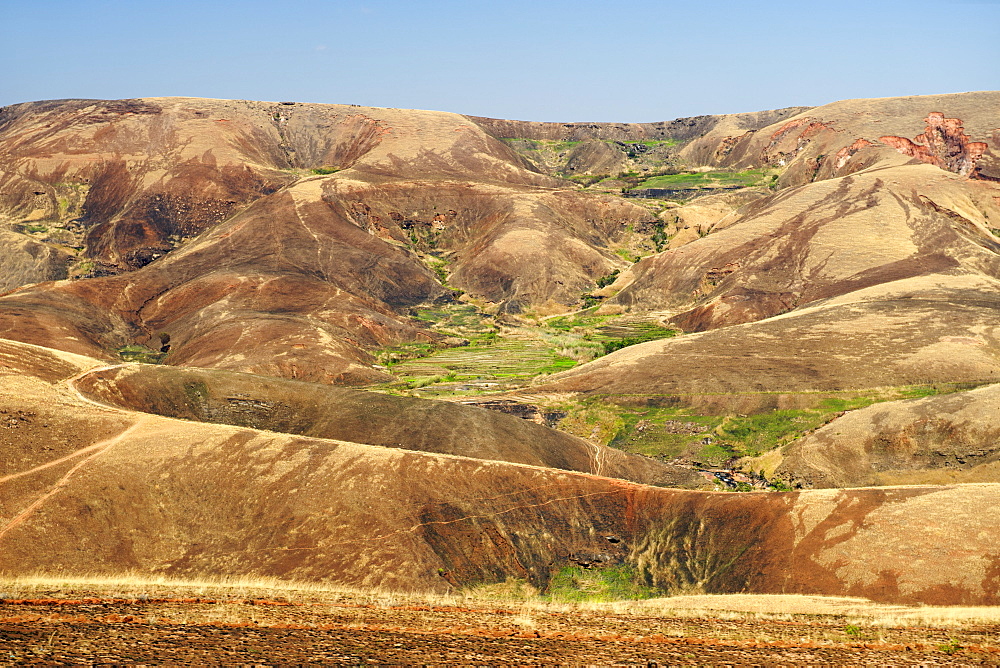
500, 358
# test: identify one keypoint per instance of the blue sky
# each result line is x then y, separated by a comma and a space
543, 60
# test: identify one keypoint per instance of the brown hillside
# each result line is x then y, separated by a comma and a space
821, 240
612, 148
153, 495
217, 234
935, 328
841, 138
320, 411
938, 440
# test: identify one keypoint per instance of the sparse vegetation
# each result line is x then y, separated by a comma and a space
138, 353
440, 268
575, 584
666, 428
325, 170
951, 647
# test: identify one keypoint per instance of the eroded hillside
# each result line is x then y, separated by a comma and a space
797, 298
101, 490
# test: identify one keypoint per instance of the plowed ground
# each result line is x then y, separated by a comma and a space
200, 631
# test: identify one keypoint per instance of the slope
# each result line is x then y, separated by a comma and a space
155, 495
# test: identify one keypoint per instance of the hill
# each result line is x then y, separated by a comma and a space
809, 295
119, 490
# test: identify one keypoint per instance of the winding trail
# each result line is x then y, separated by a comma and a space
95, 451
71, 384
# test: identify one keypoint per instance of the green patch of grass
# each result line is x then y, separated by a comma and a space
392, 355
325, 170
142, 354
459, 320
672, 430
651, 143
440, 268
753, 435
34, 228
951, 647
559, 363
716, 179
714, 455
575, 584
644, 333
555, 145
626, 254
657, 142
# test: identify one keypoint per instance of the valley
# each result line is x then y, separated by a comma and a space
389, 350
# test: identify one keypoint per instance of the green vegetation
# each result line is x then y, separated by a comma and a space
579, 320
458, 320
575, 584
559, 363
391, 355
481, 357
652, 143
139, 353
714, 179
669, 427
645, 332
83, 268
853, 630
951, 647
626, 254
605, 281
710, 430
34, 228
325, 170
196, 392
439, 266
554, 145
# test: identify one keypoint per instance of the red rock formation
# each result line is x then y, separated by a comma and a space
846, 153
943, 143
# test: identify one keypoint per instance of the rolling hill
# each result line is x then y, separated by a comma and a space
189, 287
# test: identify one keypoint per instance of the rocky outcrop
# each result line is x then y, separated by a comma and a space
943, 143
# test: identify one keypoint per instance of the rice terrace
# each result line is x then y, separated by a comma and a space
286, 382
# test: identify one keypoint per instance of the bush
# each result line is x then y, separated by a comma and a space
605, 281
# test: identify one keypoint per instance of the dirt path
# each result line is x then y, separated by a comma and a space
92, 452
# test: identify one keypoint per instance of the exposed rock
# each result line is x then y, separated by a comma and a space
943, 143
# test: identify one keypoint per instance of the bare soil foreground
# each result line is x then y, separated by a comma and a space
166, 624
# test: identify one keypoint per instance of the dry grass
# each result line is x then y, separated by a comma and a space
131, 585
517, 596
784, 606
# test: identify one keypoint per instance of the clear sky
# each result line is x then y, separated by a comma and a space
545, 60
